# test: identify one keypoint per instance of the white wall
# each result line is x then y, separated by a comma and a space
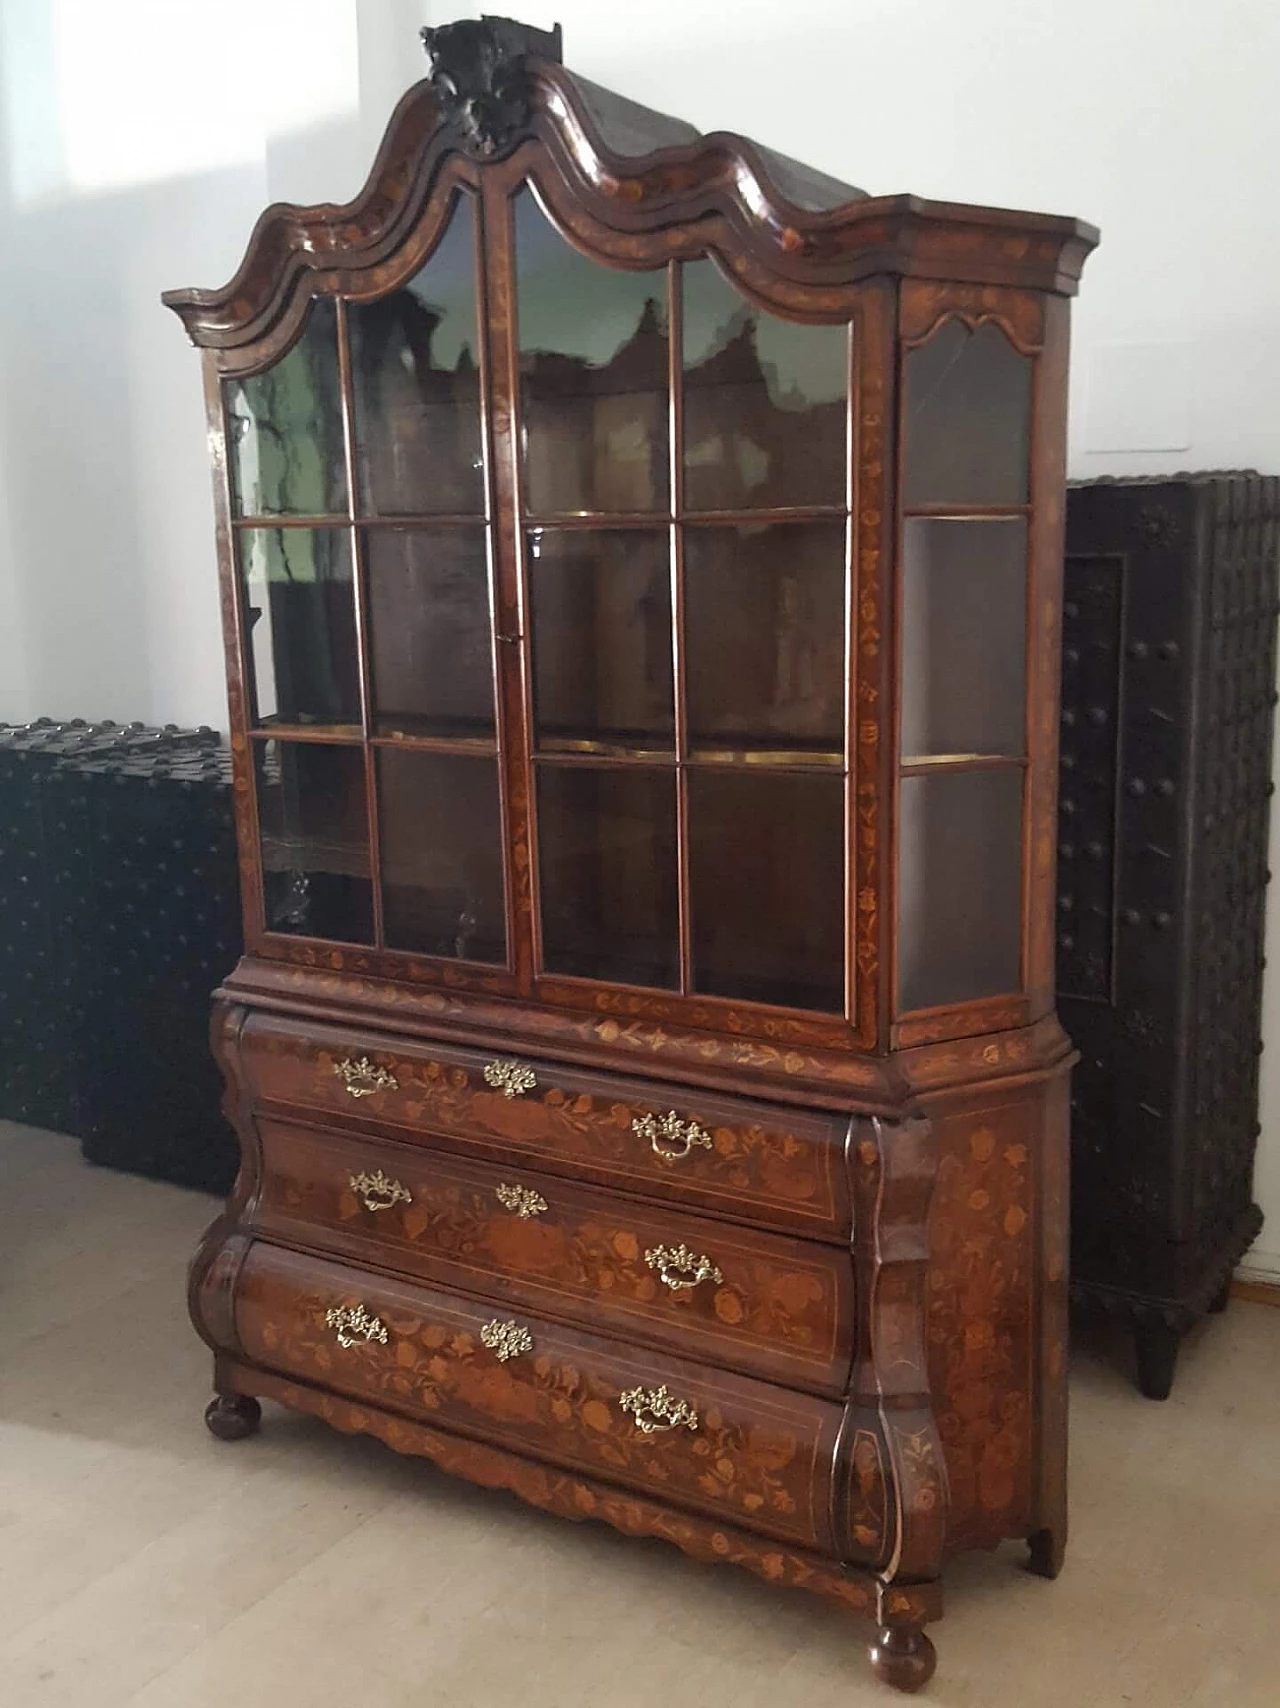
136, 151
137, 158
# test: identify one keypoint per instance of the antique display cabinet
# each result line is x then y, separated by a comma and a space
641, 568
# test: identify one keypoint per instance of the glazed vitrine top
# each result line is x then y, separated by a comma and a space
641, 560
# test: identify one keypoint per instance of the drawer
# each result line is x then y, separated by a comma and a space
743, 1451
762, 1302
763, 1163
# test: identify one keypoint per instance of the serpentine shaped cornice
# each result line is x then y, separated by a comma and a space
719, 191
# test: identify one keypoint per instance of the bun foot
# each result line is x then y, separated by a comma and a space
232, 1417
903, 1656
1047, 1550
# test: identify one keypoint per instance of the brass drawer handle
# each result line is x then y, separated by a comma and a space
679, 1267
654, 1409
362, 1078
522, 1199
352, 1323
376, 1192
511, 1078
671, 1138
506, 1339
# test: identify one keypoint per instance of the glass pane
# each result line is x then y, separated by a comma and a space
593, 371
964, 625
766, 857
441, 838
299, 607
764, 402
764, 636
968, 418
284, 429
601, 604
430, 633
417, 387
960, 886
607, 841
315, 840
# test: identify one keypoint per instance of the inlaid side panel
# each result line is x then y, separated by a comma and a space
982, 1288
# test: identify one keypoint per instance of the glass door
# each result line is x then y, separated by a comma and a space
965, 496
685, 471
361, 516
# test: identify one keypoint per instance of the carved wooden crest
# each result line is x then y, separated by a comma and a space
479, 77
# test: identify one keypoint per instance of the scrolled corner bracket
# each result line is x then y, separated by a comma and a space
479, 77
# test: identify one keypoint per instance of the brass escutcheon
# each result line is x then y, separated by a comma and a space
522, 1199
506, 1339
361, 1078
352, 1323
671, 1138
376, 1192
679, 1267
511, 1078
654, 1409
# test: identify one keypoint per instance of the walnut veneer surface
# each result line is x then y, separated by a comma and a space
754, 1238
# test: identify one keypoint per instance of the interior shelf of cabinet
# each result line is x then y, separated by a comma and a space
565, 750
742, 517
345, 733
351, 735
922, 764
315, 854
417, 519
967, 512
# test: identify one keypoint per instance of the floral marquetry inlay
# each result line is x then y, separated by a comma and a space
764, 1458
979, 1321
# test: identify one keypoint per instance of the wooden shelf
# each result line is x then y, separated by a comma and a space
565, 750
746, 517
426, 520
343, 735
967, 512
351, 735
923, 764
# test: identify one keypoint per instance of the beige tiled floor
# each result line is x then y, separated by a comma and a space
144, 1565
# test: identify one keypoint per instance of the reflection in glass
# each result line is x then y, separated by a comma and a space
764, 402
968, 418
607, 860
440, 830
417, 386
765, 636
959, 886
766, 856
315, 840
964, 593
593, 368
430, 634
284, 428
299, 608
601, 604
